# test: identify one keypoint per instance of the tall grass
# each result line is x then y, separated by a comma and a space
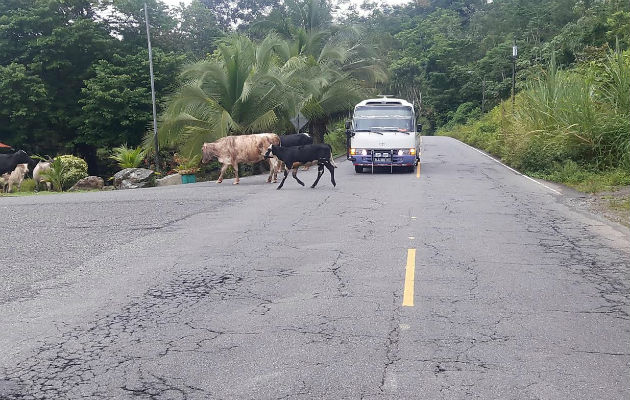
581, 116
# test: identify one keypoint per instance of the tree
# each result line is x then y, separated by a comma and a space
342, 64
24, 98
125, 19
198, 31
116, 101
55, 42
242, 89
231, 14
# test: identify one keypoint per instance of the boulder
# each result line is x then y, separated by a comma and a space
174, 179
89, 183
134, 178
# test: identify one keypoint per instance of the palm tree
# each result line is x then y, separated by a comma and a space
347, 72
243, 90
342, 67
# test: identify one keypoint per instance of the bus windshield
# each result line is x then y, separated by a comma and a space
387, 118
383, 124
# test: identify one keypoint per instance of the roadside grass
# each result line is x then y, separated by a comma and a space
567, 126
585, 179
28, 189
619, 204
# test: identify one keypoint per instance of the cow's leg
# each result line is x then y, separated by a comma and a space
273, 171
332, 171
235, 166
295, 170
286, 173
223, 168
320, 172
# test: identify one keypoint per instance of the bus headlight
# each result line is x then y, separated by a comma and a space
355, 152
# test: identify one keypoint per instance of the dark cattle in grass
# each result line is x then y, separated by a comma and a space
293, 157
8, 162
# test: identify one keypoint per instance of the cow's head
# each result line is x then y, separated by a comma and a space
208, 151
269, 152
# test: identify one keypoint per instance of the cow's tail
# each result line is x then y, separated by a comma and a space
332, 159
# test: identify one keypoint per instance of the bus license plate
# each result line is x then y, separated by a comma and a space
382, 157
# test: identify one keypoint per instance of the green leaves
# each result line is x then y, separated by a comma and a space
127, 157
242, 91
116, 101
56, 174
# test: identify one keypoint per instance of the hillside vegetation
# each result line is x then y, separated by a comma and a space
570, 126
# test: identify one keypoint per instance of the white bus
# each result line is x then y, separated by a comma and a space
383, 133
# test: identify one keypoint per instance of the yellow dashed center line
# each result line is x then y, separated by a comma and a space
409, 278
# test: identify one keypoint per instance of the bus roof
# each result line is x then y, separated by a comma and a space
385, 101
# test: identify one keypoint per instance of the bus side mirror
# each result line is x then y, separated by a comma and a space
348, 125
419, 128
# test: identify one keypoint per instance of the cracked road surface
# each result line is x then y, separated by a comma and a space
209, 291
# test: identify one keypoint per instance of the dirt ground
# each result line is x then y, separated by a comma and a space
613, 205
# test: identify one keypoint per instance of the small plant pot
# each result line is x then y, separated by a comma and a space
189, 178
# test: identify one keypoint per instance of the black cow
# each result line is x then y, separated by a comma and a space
8, 162
295, 139
299, 155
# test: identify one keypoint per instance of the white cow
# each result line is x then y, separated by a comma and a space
17, 176
39, 174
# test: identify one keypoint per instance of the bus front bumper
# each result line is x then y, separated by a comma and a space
395, 161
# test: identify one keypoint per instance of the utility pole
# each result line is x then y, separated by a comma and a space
514, 55
483, 94
155, 129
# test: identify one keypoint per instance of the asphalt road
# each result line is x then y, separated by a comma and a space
207, 291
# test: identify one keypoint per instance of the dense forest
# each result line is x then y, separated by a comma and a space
74, 73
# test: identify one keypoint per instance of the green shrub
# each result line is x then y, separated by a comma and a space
56, 174
336, 138
465, 112
73, 169
127, 157
28, 185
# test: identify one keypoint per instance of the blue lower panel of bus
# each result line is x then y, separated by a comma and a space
384, 161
